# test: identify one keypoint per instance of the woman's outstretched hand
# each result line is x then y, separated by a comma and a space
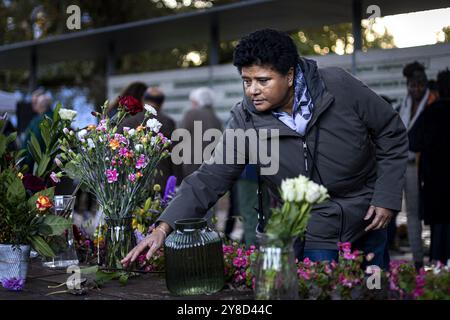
153, 242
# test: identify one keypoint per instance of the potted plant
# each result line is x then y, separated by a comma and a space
24, 219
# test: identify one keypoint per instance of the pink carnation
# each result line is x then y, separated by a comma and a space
141, 162
111, 175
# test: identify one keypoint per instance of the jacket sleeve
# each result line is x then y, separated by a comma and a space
391, 141
200, 190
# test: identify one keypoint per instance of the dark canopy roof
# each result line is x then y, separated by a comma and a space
233, 21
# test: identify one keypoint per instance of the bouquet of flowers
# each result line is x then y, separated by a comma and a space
117, 168
299, 195
276, 271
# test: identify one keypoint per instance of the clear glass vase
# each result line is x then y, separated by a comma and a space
276, 270
62, 245
119, 240
194, 259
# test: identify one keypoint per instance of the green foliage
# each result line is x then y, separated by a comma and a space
51, 130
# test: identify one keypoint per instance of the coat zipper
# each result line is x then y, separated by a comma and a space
305, 154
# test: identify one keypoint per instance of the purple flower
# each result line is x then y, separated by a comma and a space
141, 163
170, 187
13, 284
121, 138
139, 236
111, 175
163, 138
132, 177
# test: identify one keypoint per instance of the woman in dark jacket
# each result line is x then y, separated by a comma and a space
431, 137
328, 126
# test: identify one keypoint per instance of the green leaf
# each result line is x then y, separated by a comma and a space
123, 279
35, 148
11, 138
16, 191
45, 160
56, 116
54, 225
102, 277
89, 270
71, 169
38, 243
45, 131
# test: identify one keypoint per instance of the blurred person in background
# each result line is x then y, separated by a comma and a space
415, 102
202, 101
41, 105
431, 137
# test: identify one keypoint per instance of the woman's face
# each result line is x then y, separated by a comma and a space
267, 88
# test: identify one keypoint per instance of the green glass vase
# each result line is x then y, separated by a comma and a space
194, 259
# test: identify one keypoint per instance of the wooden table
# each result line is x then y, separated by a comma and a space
148, 286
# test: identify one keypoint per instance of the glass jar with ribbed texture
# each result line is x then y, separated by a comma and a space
194, 259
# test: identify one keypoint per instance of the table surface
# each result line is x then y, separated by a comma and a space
146, 286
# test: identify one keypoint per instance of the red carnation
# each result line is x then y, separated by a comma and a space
130, 104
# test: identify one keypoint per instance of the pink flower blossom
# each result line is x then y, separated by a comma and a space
132, 177
141, 162
123, 152
102, 126
121, 139
350, 256
54, 177
345, 246
111, 175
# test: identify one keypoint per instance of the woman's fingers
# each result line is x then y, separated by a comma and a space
155, 246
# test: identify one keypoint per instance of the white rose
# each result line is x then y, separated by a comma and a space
312, 193
150, 109
154, 125
301, 184
288, 190
67, 114
131, 132
323, 193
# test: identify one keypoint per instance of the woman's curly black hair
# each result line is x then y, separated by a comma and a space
266, 47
